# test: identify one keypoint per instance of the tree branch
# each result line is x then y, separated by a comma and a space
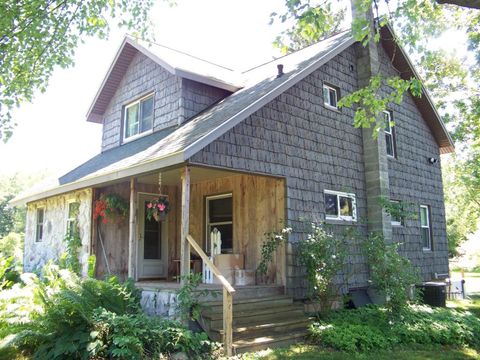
472, 4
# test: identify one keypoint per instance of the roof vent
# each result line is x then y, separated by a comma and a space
280, 70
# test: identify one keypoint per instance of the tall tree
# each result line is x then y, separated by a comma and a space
38, 35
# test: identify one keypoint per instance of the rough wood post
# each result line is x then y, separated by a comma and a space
184, 246
132, 249
227, 321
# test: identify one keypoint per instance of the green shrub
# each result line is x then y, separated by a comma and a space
64, 317
371, 328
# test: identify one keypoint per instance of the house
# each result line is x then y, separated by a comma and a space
243, 153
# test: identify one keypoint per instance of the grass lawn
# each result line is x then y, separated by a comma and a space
304, 352
438, 352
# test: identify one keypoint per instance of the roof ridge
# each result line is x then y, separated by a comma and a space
296, 51
182, 52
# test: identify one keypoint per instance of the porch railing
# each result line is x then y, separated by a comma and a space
228, 292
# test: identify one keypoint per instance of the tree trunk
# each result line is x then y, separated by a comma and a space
472, 4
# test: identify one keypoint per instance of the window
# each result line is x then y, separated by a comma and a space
340, 206
330, 96
425, 227
389, 133
396, 210
72, 217
219, 211
39, 227
138, 117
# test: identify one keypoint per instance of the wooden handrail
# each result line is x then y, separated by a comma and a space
210, 264
228, 292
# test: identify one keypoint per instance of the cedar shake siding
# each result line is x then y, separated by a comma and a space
413, 179
175, 99
314, 148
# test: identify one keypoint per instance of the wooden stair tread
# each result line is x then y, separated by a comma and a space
252, 312
246, 301
264, 342
263, 325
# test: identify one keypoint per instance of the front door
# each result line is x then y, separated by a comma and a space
152, 242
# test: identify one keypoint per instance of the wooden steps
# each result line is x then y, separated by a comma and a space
259, 322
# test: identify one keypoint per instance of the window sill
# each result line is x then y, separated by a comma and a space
329, 107
340, 221
427, 251
135, 137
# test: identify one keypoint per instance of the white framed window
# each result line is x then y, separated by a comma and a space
138, 118
72, 217
340, 206
389, 133
425, 226
40, 219
219, 214
395, 218
330, 96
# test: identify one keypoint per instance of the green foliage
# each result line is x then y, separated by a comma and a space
399, 209
37, 36
188, 304
273, 240
8, 273
323, 254
92, 261
390, 272
70, 258
65, 317
110, 208
371, 328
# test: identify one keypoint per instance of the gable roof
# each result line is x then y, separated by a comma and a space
260, 87
175, 62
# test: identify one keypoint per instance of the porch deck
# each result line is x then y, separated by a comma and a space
173, 286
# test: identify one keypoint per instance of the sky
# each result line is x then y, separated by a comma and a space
52, 132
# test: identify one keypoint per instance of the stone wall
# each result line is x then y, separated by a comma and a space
414, 180
37, 254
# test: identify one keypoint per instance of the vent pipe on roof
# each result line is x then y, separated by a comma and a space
280, 70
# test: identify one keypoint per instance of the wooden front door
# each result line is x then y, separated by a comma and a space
152, 242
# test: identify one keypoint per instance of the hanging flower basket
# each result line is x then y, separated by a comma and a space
158, 208
110, 208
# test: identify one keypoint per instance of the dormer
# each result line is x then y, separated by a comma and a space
150, 88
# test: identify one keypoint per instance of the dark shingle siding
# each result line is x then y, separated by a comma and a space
296, 137
197, 97
413, 179
143, 76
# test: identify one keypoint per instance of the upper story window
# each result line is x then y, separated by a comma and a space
330, 96
39, 224
72, 217
426, 227
340, 206
138, 117
389, 133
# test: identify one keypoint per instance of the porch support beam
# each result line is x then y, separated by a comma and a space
185, 222
132, 249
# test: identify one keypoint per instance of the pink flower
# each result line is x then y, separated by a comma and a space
161, 207
149, 205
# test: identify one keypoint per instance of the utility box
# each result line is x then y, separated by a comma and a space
434, 294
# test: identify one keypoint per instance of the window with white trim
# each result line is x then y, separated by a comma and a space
425, 226
395, 217
330, 96
39, 224
138, 117
219, 215
340, 206
389, 133
72, 217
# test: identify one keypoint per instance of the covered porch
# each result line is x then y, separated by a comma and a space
241, 206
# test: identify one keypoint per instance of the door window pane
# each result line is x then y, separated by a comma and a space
152, 246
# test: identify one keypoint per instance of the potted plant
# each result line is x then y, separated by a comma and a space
110, 208
158, 208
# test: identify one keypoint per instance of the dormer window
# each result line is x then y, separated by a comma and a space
138, 118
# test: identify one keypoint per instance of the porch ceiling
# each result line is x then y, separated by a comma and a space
172, 176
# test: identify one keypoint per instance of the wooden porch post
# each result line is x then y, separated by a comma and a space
132, 249
184, 246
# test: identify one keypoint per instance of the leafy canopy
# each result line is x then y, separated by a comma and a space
38, 35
